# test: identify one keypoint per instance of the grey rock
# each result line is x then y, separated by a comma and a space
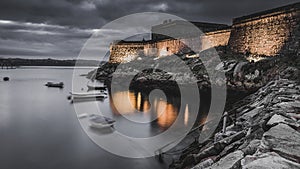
284, 140
268, 160
220, 136
251, 114
231, 161
251, 148
204, 164
238, 68
218, 147
291, 73
286, 105
294, 115
276, 119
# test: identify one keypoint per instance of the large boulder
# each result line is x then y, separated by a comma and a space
268, 160
231, 161
284, 140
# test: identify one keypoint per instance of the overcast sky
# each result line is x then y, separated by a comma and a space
59, 28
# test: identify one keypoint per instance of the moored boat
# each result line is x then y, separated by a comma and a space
98, 121
88, 93
52, 84
85, 98
6, 79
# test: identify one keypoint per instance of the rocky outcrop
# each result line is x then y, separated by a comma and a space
265, 135
240, 74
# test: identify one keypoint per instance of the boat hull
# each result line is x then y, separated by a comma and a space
96, 87
101, 126
57, 85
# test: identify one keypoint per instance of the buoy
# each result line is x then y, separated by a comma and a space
6, 79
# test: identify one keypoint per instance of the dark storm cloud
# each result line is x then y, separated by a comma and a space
40, 39
95, 13
60, 27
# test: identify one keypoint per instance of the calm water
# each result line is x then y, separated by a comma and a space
39, 127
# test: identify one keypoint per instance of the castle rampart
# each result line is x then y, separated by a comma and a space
267, 33
125, 51
270, 33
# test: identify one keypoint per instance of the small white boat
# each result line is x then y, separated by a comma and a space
97, 121
95, 96
88, 93
52, 84
83, 115
83, 98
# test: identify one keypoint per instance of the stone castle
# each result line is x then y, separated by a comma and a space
269, 33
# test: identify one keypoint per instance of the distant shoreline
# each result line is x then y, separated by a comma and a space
20, 62
57, 67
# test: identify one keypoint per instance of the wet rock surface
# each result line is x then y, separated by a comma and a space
284, 140
268, 136
268, 160
231, 161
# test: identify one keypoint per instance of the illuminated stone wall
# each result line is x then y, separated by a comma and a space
125, 51
163, 48
214, 39
267, 33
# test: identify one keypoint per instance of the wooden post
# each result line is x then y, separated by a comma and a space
160, 156
224, 122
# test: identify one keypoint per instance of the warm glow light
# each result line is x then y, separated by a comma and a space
129, 58
139, 101
167, 116
255, 58
192, 56
124, 102
146, 106
163, 52
186, 115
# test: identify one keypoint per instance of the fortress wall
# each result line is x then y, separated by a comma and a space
214, 39
164, 47
174, 46
127, 51
267, 33
206, 41
124, 52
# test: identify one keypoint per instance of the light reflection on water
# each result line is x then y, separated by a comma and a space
163, 111
38, 123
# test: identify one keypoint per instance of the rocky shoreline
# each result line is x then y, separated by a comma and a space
266, 133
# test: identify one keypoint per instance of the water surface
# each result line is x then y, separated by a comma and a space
39, 127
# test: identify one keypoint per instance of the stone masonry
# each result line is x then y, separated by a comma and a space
269, 33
